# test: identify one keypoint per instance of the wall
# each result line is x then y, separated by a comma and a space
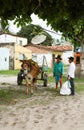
39, 58
65, 56
50, 57
21, 50
7, 38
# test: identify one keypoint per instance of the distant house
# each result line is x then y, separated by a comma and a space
8, 38
50, 52
16, 53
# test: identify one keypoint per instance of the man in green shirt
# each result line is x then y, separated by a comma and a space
58, 71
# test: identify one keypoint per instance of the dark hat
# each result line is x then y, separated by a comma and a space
71, 58
58, 57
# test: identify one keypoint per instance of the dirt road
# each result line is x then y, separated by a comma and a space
45, 110
8, 79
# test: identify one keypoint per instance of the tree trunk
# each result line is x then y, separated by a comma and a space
82, 60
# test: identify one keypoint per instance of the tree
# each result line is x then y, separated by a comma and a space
67, 16
52, 10
3, 28
63, 15
30, 31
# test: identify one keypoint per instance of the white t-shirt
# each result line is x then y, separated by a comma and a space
71, 70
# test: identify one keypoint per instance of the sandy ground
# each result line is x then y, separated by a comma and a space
8, 79
43, 111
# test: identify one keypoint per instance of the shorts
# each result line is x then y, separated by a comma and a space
57, 78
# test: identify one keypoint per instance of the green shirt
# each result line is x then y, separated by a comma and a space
58, 68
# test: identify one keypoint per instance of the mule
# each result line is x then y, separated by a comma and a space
31, 71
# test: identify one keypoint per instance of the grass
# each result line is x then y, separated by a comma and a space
79, 87
7, 95
9, 72
79, 80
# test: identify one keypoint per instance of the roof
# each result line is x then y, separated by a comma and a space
15, 35
46, 49
15, 45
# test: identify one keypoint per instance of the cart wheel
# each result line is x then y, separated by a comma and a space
45, 82
45, 79
19, 79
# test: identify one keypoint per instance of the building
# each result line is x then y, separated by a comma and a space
8, 38
50, 52
16, 53
14, 45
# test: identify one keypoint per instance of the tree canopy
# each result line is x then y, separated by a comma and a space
66, 16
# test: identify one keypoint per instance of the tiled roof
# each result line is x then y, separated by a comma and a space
46, 49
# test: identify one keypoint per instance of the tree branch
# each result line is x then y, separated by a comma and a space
77, 39
39, 2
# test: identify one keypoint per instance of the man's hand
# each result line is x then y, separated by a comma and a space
53, 75
68, 78
60, 76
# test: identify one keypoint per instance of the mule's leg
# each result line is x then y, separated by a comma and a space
32, 87
35, 84
26, 85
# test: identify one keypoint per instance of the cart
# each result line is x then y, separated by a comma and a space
43, 69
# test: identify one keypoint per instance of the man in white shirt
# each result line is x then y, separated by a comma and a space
71, 74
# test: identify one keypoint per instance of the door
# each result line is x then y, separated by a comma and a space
4, 58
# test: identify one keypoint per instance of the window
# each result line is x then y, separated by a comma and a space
77, 60
20, 57
5, 59
20, 42
34, 57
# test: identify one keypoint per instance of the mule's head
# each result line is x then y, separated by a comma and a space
26, 68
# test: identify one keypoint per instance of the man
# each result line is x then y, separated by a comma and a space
71, 74
58, 71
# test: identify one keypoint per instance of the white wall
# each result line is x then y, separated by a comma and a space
6, 38
4, 59
65, 56
39, 58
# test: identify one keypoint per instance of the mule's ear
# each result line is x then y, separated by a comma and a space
22, 65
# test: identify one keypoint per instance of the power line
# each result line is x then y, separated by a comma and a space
52, 32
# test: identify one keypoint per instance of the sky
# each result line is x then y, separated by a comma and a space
36, 21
